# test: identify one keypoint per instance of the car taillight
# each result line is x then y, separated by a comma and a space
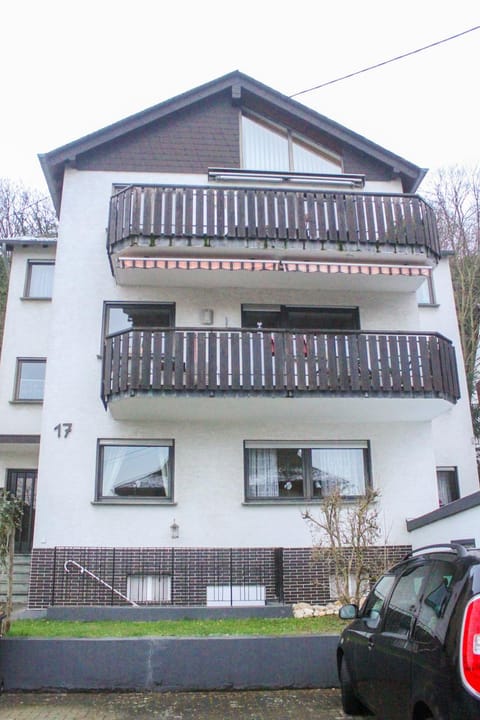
470, 648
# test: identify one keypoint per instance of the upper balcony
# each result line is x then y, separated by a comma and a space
395, 376
264, 223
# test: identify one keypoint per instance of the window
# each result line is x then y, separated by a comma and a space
295, 317
269, 147
30, 382
436, 596
235, 595
124, 316
425, 293
404, 600
149, 588
39, 282
135, 470
336, 587
297, 471
447, 482
377, 598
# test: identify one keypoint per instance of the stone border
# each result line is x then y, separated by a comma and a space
161, 664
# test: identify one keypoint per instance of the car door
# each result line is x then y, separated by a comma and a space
360, 638
432, 672
390, 649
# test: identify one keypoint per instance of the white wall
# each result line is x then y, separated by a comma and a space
452, 432
209, 483
27, 325
465, 525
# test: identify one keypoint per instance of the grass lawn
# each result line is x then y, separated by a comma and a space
329, 624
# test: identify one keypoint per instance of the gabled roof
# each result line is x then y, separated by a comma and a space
245, 91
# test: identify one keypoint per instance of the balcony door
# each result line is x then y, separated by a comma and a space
22, 484
294, 317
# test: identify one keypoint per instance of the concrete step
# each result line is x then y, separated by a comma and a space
21, 579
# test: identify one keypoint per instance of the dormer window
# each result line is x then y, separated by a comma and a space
269, 147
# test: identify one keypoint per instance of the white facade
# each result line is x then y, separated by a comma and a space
408, 438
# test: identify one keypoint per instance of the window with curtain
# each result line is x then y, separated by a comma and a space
134, 470
305, 472
39, 281
447, 482
266, 146
30, 381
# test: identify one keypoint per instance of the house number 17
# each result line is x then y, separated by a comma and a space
63, 430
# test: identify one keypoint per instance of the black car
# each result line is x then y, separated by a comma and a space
412, 651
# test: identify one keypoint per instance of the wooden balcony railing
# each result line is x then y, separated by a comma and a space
263, 218
272, 363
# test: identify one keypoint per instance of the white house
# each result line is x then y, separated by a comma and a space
245, 306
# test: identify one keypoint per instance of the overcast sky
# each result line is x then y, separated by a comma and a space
70, 68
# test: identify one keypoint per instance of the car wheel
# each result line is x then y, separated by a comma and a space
351, 705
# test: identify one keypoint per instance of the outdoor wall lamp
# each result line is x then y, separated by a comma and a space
206, 316
174, 530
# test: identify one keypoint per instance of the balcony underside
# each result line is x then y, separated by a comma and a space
279, 411
146, 370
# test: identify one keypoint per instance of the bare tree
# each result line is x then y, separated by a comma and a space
24, 211
455, 195
344, 536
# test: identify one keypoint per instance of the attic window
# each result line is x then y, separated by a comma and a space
269, 147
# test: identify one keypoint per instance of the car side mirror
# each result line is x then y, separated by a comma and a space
348, 612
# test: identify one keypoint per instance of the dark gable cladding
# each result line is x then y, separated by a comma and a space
200, 129
204, 135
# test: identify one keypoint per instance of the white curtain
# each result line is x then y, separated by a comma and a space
263, 149
41, 280
341, 468
263, 473
131, 465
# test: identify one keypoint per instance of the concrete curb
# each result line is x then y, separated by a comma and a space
161, 664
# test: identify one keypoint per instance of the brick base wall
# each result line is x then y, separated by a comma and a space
289, 575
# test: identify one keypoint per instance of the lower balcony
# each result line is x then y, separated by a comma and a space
146, 371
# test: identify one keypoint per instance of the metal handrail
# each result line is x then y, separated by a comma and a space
95, 577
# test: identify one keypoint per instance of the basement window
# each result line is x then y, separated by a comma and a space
235, 595
155, 589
